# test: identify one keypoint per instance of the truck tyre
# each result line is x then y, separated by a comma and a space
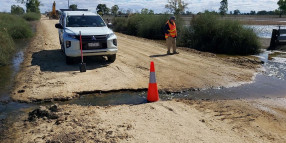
62, 48
111, 58
69, 60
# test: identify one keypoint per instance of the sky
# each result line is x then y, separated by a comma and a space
158, 6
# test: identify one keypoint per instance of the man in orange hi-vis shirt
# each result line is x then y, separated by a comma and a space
171, 35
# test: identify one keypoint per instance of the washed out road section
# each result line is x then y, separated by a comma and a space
45, 75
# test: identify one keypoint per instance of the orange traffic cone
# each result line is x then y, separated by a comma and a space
153, 94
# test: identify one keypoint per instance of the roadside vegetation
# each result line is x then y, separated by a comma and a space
207, 32
32, 16
143, 25
14, 26
210, 33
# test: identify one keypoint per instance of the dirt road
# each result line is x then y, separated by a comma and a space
45, 75
169, 121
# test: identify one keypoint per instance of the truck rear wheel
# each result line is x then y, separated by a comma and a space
111, 58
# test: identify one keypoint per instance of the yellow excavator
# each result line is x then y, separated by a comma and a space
55, 13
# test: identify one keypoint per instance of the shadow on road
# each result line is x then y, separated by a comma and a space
163, 55
54, 61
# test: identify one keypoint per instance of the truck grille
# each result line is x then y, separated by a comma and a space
98, 42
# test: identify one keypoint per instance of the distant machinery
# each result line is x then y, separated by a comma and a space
55, 13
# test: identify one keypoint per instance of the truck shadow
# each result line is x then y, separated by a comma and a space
54, 61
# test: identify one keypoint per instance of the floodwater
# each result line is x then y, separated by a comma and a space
264, 31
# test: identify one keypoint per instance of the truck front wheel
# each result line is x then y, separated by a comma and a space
111, 58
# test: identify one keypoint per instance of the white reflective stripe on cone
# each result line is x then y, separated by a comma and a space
152, 77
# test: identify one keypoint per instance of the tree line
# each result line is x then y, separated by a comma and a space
172, 6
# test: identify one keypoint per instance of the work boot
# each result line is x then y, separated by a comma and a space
175, 52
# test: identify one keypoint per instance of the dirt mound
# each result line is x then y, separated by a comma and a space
44, 112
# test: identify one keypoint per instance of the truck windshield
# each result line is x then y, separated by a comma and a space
84, 21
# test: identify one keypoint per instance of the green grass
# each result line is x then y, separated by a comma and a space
31, 16
209, 33
7, 47
11, 27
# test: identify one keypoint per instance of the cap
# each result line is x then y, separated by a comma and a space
172, 18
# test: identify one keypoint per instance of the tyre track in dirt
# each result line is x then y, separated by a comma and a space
45, 76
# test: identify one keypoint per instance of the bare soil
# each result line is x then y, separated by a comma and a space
169, 121
45, 75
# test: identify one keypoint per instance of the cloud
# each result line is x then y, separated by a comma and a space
157, 5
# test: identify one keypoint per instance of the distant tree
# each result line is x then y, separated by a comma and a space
120, 12
103, 9
114, 10
211, 12
252, 12
230, 12
277, 12
146, 11
176, 6
282, 7
16, 9
129, 11
73, 7
223, 7
189, 12
262, 12
236, 12
31, 5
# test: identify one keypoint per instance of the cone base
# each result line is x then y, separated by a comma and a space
153, 94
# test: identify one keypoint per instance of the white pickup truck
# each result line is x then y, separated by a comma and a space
97, 38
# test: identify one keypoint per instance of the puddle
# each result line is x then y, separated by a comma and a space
7, 73
107, 99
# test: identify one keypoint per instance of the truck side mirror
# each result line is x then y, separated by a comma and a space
109, 25
59, 26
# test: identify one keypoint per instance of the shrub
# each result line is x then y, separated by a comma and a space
120, 24
143, 25
209, 33
6, 47
16, 26
11, 27
184, 36
152, 27
31, 16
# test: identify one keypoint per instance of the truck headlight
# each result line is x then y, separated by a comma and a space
71, 36
110, 35
115, 42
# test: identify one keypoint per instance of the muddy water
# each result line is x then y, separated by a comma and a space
264, 31
7, 74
